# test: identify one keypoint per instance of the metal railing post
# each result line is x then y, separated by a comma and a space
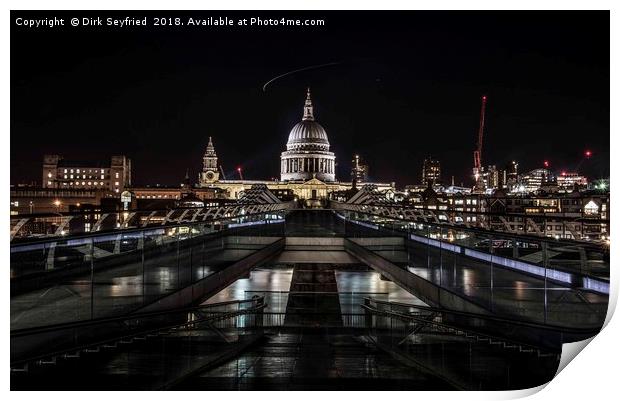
92, 278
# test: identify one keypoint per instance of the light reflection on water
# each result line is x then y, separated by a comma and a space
353, 286
368, 284
261, 279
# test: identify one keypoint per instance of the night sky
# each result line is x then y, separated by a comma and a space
408, 85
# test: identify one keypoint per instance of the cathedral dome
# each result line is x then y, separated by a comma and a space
308, 134
307, 152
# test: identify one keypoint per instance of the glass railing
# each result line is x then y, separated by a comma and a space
219, 329
470, 352
535, 278
76, 278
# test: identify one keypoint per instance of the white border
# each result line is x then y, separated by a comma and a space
592, 376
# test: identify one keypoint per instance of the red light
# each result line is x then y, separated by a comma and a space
238, 168
484, 98
546, 163
588, 153
563, 172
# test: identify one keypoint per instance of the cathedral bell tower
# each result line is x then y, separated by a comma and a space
209, 173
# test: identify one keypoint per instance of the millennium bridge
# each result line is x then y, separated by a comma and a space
263, 294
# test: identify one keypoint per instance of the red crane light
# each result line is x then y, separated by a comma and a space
588, 153
546, 163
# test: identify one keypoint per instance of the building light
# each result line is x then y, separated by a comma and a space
116, 175
49, 175
78, 171
49, 183
101, 171
102, 176
65, 171
116, 183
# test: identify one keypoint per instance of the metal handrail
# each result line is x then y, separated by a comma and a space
98, 321
220, 316
457, 329
516, 322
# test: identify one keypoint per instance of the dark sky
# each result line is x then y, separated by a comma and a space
408, 85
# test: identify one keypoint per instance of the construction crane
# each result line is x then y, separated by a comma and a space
478, 152
240, 173
222, 171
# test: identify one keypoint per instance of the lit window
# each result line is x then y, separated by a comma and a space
65, 176
78, 171
101, 183
65, 171
49, 175
116, 175
71, 176
49, 183
101, 171
83, 183
102, 176
116, 183
84, 176
90, 183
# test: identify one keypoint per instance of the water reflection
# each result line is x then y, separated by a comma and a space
273, 282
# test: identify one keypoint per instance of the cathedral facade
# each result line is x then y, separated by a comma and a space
307, 168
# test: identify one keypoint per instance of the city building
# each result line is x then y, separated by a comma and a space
431, 171
307, 152
533, 180
68, 174
587, 213
570, 181
35, 200
359, 170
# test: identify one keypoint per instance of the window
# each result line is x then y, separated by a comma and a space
116, 183
49, 175
116, 175
102, 176
590, 208
65, 176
